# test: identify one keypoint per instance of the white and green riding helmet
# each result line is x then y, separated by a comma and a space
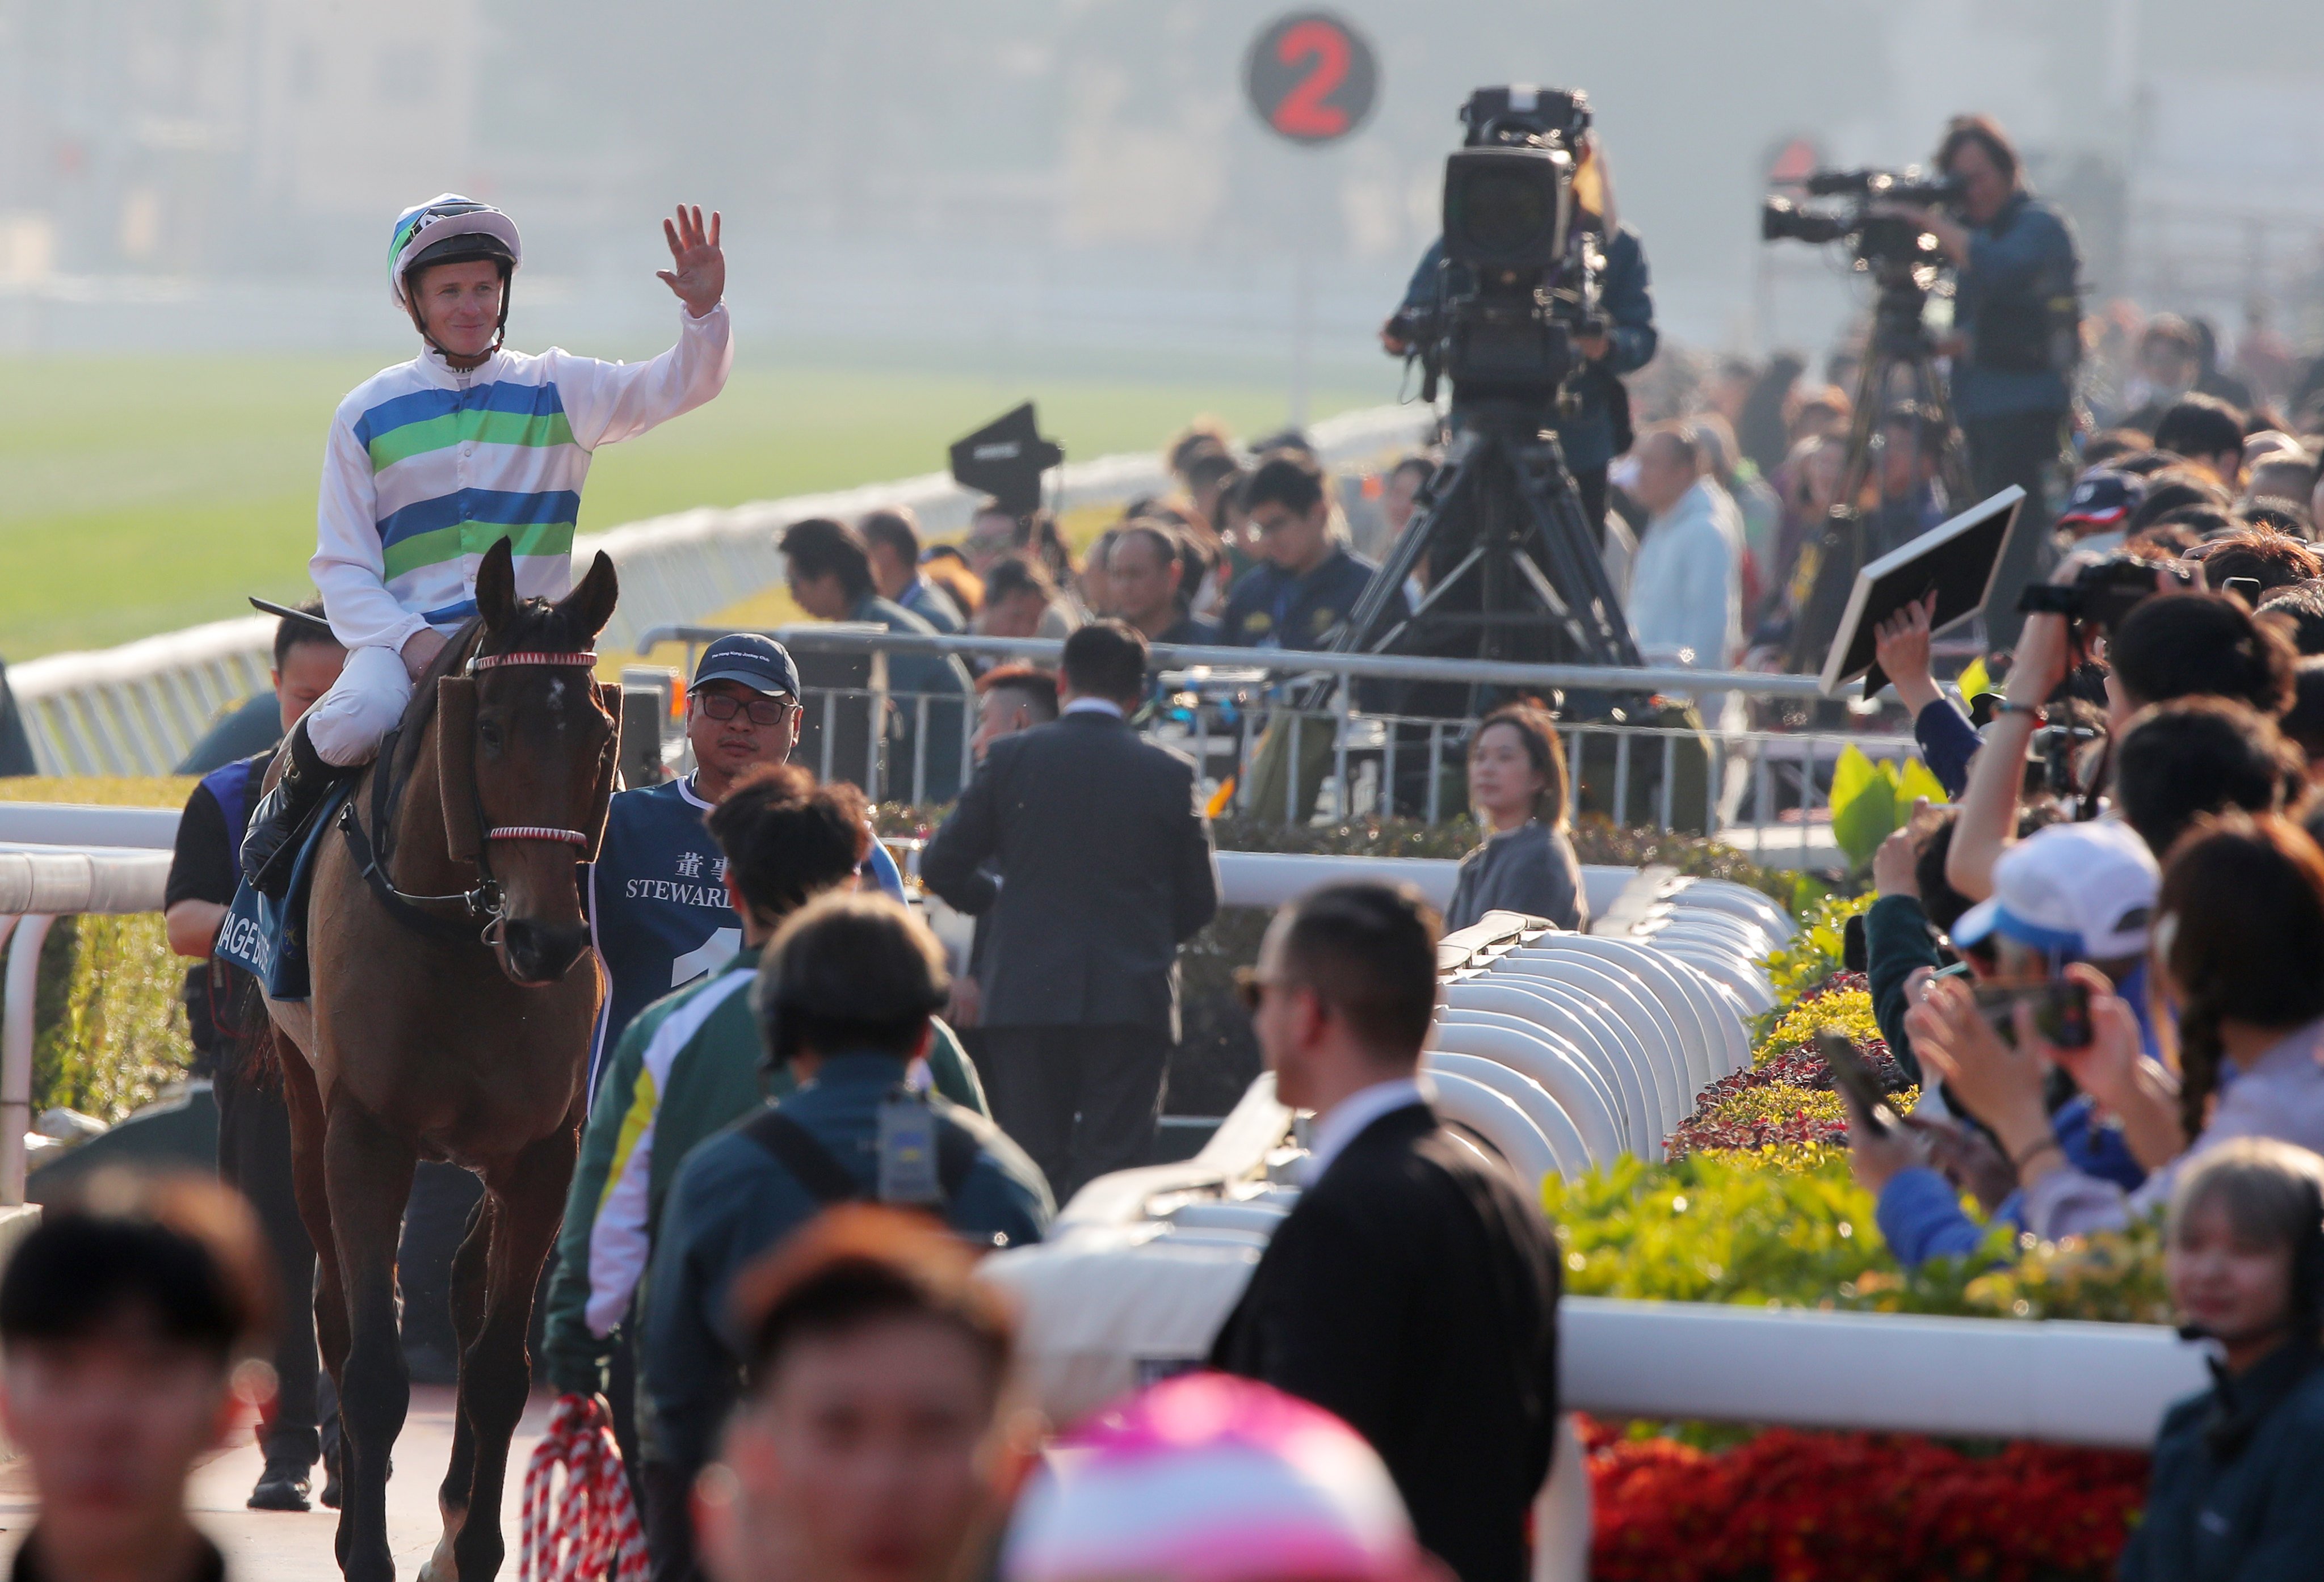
451, 229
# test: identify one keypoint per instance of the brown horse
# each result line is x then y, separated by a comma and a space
453, 994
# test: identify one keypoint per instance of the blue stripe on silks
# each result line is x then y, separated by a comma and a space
421, 405
499, 507
448, 614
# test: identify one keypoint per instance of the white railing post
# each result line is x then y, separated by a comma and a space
16, 1051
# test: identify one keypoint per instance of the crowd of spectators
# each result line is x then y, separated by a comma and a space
2098, 964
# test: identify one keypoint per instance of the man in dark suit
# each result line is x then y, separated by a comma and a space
1413, 1290
1105, 865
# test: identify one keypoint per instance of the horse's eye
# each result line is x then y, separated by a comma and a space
488, 733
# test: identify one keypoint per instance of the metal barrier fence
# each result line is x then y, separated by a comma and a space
1224, 708
137, 708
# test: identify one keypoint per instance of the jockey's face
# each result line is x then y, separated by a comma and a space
460, 304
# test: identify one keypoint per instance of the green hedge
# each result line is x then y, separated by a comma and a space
108, 1030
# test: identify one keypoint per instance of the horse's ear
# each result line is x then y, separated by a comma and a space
591, 604
496, 586
456, 764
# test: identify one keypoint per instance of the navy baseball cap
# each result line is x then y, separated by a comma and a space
759, 663
2104, 499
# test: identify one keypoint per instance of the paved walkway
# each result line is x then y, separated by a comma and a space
275, 1546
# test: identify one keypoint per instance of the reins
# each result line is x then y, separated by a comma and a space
486, 902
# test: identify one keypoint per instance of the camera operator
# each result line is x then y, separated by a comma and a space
1599, 428
2017, 324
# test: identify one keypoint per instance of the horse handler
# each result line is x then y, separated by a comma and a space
432, 462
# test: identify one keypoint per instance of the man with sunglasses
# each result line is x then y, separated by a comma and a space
656, 894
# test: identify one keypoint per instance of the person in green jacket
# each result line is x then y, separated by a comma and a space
690, 1063
2237, 1489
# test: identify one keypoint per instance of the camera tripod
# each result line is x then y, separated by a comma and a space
1512, 565
1899, 365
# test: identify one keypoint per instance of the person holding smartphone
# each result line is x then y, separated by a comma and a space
2073, 900
2239, 929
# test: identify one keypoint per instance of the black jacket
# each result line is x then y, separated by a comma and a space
1105, 865
2238, 1492
1412, 1292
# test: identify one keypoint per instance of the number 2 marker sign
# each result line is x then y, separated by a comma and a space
1310, 77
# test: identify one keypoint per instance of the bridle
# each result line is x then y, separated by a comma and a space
486, 902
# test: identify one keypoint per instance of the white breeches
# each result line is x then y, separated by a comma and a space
346, 722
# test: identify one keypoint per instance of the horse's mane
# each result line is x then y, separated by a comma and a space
536, 624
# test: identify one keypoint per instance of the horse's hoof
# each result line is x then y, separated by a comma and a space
440, 1567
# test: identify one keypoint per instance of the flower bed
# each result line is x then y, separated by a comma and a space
1826, 1507
1755, 1206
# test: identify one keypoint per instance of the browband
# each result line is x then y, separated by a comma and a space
528, 656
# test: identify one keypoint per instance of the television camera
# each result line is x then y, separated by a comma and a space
1899, 372
1510, 560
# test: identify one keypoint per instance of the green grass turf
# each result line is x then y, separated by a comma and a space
141, 494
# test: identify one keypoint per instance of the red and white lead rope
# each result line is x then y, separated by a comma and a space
536, 833
595, 1532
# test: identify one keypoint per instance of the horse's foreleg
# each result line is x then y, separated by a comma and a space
496, 1374
368, 1171
312, 1193
471, 1279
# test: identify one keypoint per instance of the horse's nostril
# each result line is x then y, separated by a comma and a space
541, 952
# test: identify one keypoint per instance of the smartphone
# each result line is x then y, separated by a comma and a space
1853, 1080
2062, 1010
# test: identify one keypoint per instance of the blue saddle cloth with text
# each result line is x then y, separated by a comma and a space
268, 938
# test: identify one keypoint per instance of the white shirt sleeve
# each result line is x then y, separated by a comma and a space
349, 567
606, 402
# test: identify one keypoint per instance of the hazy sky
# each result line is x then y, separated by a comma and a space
1075, 172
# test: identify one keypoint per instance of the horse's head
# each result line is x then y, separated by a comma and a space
526, 756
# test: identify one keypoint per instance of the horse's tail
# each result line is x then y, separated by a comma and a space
252, 1041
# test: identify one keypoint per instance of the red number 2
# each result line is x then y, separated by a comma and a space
1303, 112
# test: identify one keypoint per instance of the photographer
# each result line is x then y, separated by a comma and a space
2017, 317
2169, 645
1599, 427
2239, 925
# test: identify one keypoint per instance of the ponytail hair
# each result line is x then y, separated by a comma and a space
2240, 931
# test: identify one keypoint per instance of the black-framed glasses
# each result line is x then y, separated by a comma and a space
764, 711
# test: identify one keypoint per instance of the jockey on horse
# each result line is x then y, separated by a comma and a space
433, 461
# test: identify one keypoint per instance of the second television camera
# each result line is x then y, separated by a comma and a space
1523, 258
1877, 239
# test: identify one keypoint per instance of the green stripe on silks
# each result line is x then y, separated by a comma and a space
535, 429
448, 544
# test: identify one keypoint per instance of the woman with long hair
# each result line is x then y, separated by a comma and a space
2237, 953
1517, 788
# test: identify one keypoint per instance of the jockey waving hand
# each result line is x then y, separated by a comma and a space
432, 462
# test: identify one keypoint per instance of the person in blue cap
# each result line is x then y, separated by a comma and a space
658, 915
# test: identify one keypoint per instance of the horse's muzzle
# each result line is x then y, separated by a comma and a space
543, 952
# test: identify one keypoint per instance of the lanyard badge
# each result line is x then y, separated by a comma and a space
907, 1151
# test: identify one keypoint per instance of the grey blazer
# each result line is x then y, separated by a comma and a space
1105, 866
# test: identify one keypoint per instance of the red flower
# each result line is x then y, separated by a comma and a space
1794, 1507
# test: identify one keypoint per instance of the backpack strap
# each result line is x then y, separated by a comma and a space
957, 1151
811, 1165
828, 1182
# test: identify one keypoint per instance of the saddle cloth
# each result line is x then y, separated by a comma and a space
268, 938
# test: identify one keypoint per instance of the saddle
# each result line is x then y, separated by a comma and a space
268, 938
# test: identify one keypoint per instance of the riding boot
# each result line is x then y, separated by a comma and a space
269, 850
